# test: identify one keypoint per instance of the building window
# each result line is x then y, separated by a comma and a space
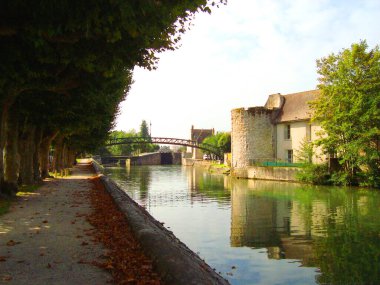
287, 134
308, 132
289, 155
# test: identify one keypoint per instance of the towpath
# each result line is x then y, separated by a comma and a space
46, 237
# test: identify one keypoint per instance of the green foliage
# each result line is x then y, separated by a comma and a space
145, 133
29, 188
348, 111
144, 130
66, 65
83, 50
122, 149
306, 151
341, 178
221, 140
314, 174
130, 149
4, 206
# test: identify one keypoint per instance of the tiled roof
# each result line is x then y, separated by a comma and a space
296, 107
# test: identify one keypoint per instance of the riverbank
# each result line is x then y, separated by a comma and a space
58, 235
173, 260
211, 166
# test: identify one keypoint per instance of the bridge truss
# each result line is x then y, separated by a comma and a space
171, 141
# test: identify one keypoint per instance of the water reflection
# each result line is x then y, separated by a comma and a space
204, 186
333, 229
334, 233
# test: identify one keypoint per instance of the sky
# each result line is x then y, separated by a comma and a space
239, 55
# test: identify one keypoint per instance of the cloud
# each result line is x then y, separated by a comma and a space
238, 56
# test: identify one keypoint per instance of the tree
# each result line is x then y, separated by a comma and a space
348, 110
74, 59
145, 133
122, 149
221, 140
144, 130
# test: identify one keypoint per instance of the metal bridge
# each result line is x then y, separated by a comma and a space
173, 141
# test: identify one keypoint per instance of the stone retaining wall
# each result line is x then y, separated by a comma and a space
266, 173
172, 259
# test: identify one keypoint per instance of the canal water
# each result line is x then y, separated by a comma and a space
263, 232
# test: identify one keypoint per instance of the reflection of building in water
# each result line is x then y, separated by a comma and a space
194, 177
278, 223
257, 221
203, 185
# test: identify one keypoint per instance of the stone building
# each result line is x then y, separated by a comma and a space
199, 135
273, 132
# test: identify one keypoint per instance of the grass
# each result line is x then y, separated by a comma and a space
4, 206
218, 165
24, 190
27, 190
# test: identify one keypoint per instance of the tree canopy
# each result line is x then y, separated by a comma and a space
65, 67
221, 140
348, 110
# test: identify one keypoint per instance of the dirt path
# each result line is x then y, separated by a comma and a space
46, 239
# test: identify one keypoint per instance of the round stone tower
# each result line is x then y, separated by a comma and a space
252, 136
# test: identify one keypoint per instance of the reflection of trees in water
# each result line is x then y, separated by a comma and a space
349, 253
348, 256
143, 174
335, 230
140, 176
201, 183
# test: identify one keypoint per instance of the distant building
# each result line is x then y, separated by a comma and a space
275, 131
199, 135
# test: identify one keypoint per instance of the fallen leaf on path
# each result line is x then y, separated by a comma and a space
124, 257
6, 278
83, 262
12, 243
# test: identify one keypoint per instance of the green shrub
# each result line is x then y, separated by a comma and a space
314, 174
4, 206
341, 178
369, 178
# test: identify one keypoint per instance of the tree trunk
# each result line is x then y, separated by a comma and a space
36, 152
58, 152
26, 151
3, 137
64, 156
6, 104
71, 157
44, 153
11, 156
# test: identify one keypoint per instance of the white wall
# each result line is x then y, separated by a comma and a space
299, 131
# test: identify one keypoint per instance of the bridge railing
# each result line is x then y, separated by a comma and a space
164, 140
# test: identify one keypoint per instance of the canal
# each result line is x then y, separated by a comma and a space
263, 232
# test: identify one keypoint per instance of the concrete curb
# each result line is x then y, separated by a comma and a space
172, 259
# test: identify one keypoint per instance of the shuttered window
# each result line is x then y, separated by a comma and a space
289, 154
287, 133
